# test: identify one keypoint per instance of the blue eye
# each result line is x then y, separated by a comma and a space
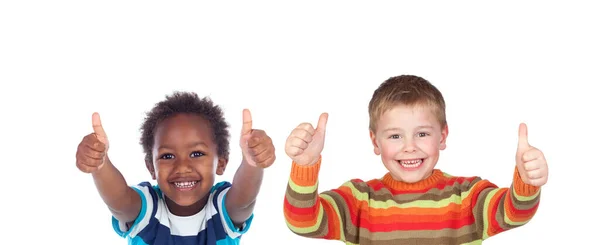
167, 156
197, 154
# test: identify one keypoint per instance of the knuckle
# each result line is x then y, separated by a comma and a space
303, 134
261, 159
297, 131
99, 155
253, 151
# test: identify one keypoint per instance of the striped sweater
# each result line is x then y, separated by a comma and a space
440, 209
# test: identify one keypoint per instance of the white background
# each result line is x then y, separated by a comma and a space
496, 64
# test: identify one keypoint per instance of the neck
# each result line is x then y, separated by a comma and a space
190, 210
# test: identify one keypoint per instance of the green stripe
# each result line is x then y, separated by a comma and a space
524, 198
302, 189
361, 196
476, 242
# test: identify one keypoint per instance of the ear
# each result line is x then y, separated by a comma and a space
150, 167
374, 141
221, 164
444, 137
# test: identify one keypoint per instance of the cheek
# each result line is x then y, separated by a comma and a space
162, 170
205, 168
389, 149
430, 145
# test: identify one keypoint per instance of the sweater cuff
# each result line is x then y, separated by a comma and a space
306, 175
521, 188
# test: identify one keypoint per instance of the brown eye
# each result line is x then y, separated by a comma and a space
196, 154
167, 156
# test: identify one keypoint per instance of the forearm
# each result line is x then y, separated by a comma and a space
245, 187
123, 202
508, 208
308, 213
521, 202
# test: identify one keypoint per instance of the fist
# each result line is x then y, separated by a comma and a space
257, 146
305, 143
531, 162
91, 152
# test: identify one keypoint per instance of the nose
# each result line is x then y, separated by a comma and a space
409, 146
183, 166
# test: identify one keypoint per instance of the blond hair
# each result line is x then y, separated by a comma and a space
406, 90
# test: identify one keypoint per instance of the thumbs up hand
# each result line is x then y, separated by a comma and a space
305, 143
531, 162
91, 152
257, 146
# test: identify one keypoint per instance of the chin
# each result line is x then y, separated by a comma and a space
186, 202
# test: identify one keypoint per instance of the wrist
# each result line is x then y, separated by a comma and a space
308, 162
105, 168
256, 165
250, 167
522, 188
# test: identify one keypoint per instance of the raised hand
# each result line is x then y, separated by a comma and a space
91, 152
257, 146
531, 162
305, 143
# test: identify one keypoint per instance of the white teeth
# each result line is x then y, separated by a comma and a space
186, 184
411, 163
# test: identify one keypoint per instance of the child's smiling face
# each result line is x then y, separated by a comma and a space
409, 140
185, 162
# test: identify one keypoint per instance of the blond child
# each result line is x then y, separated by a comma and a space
414, 203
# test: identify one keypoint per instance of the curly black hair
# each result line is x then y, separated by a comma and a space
185, 102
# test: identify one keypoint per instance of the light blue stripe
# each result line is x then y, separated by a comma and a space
115, 222
230, 223
137, 241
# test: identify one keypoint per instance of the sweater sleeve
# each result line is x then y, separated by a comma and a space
500, 209
312, 214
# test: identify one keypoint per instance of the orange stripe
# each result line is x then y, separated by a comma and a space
303, 182
333, 221
521, 188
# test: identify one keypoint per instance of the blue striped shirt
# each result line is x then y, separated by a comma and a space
156, 225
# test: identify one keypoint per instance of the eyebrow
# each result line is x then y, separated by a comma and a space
191, 145
399, 129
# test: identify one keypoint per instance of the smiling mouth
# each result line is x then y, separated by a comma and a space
185, 185
412, 163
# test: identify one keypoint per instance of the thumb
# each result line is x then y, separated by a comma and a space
321, 125
98, 129
523, 140
247, 122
